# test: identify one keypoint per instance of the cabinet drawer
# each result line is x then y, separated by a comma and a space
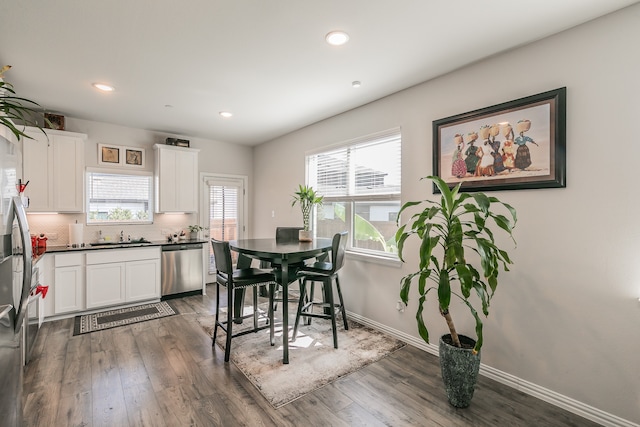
67, 260
122, 255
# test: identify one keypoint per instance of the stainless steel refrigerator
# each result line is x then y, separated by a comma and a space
15, 282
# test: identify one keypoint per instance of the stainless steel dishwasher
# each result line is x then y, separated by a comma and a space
182, 271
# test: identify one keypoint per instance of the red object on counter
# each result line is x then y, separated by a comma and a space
42, 244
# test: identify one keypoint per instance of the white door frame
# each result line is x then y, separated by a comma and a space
204, 211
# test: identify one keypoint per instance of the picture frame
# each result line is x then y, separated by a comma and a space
121, 156
53, 121
520, 144
134, 157
108, 155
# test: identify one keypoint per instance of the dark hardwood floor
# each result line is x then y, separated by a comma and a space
165, 373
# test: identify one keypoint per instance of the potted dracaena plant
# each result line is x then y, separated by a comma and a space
459, 256
307, 198
16, 109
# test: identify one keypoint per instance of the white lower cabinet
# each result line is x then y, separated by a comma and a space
143, 280
105, 284
69, 283
117, 276
89, 280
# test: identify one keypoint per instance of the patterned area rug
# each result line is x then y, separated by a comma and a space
122, 316
313, 362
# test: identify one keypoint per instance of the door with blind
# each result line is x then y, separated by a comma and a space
224, 200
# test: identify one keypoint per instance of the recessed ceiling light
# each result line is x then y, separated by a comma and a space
103, 87
225, 114
356, 83
337, 38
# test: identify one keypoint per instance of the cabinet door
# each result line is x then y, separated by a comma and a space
167, 180
67, 174
69, 287
187, 178
176, 179
105, 284
47, 278
143, 280
36, 168
54, 166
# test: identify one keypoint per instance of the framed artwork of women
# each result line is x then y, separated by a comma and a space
121, 156
515, 145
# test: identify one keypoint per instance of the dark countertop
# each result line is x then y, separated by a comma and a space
87, 247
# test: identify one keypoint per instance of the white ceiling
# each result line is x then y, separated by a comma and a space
264, 60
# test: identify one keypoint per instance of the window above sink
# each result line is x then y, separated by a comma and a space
119, 198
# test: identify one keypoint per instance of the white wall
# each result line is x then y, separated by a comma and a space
214, 157
567, 317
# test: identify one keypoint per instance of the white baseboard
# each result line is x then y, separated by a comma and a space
571, 405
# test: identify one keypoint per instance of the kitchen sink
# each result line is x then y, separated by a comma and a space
132, 242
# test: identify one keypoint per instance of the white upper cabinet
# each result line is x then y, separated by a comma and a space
176, 178
54, 166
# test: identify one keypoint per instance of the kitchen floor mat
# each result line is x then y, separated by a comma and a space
87, 323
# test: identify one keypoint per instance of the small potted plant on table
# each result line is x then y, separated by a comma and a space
307, 198
456, 233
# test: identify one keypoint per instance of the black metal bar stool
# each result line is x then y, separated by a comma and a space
326, 273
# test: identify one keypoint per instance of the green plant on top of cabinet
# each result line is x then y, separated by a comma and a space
54, 165
16, 108
176, 179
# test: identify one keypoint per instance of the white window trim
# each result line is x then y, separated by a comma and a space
119, 171
377, 257
209, 176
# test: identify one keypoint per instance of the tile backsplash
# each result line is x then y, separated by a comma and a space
56, 227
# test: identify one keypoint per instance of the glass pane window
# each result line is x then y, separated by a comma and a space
361, 185
224, 213
223, 220
375, 226
117, 198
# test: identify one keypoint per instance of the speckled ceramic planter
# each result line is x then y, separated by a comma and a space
459, 370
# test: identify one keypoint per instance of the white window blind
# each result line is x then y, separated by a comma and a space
362, 168
223, 211
119, 198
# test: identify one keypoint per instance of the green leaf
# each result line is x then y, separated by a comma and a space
484, 298
406, 287
428, 243
466, 279
405, 206
422, 328
422, 281
444, 290
483, 201
401, 236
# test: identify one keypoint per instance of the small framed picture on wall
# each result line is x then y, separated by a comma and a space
121, 156
134, 157
108, 155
